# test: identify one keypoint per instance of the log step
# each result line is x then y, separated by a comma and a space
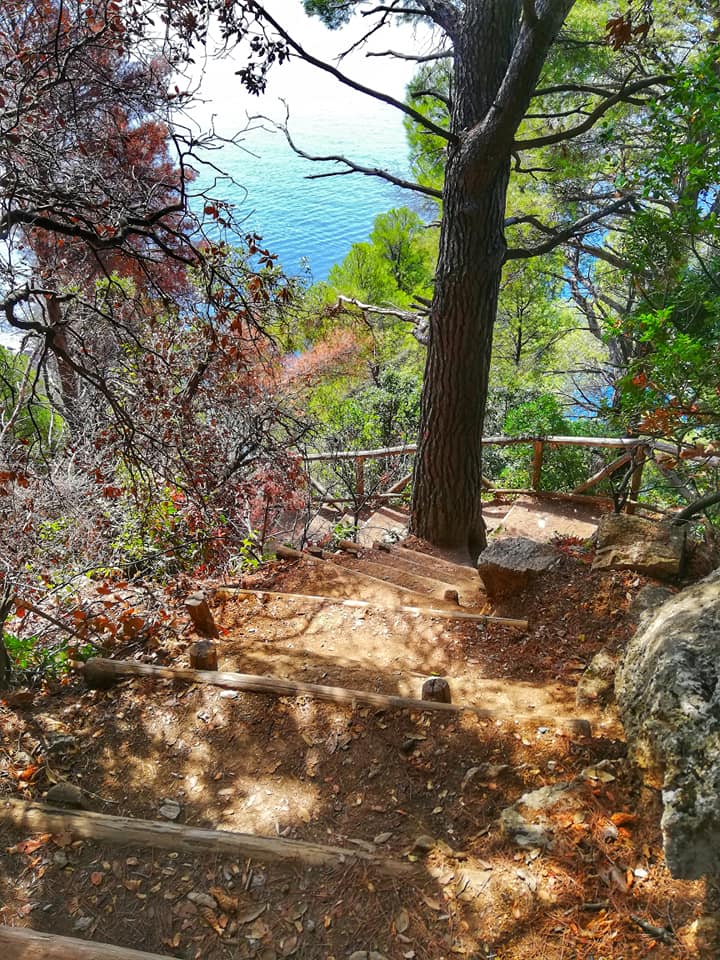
125, 831
21, 943
468, 584
350, 582
455, 573
403, 578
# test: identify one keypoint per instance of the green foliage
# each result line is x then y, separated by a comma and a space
152, 536
563, 468
36, 424
428, 152
334, 13
37, 660
248, 555
364, 274
396, 263
398, 236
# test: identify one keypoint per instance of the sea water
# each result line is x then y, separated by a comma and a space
312, 223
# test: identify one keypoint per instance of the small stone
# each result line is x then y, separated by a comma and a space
170, 809
82, 924
423, 844
60, 859
61, 743
407, 746
68, 795
229, 695
528, 822
202, 900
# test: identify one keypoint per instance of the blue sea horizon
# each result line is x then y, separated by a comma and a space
312, 223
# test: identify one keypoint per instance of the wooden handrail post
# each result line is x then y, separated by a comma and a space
360, 477
639, 458
538, 453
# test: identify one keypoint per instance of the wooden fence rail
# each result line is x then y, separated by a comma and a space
635, 451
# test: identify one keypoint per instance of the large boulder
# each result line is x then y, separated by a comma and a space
632, 543
668, 694
508, 566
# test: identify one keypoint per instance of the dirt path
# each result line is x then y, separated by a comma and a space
414, 786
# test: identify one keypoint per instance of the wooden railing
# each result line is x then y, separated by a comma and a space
633, 454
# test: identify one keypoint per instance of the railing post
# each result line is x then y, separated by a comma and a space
538, 452
360, 477
639, 457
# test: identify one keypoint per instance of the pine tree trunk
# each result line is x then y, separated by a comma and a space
446, 507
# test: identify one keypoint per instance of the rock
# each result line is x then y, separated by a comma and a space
68, 795
633, 543
59, 743
668, 693
508, 566
83, 924
170, 809
527, 823
202, 900
597, 683
704, 936
436, 689
423, 844
648, 600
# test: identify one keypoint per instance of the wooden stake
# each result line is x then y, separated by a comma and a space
538, 452
636, 479
201, 615
437, 690
20, 943
203, 655
435, 612
124, 831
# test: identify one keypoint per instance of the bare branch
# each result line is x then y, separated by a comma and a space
418, 58
593, 117
419, 321
558, 236
350, 165
353, 84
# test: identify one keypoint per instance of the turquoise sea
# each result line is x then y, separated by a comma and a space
311, 223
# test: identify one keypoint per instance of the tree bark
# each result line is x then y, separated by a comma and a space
498, 59
446, 507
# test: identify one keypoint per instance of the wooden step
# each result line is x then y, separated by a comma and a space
443, 569
403, 577
466, 582
21, 943
346, 581
124, 831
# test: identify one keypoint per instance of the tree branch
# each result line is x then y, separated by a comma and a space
351, 166
593, 117
418, 58
556, 236
418, 320
348, 82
